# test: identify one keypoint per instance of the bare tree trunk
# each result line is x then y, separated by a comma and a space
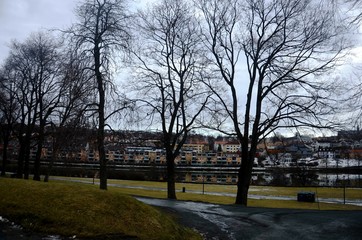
49, 170
36, 176
171, 176
55, 152
51, 162
26, 160
101, 119
244, 173
102, 160
21, 157
243, 178
5, 154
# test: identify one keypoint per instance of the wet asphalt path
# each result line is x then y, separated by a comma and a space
235, 222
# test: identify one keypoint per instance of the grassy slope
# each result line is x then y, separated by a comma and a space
83, 210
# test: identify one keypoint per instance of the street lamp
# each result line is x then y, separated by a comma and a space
344, 190
203, 182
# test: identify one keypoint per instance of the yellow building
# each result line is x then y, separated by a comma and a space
199, 147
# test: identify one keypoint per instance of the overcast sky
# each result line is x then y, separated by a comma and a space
19, 18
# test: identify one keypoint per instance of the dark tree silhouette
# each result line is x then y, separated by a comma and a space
8, 115
32, 72
71, 116
99, 34
285, 47
169, 72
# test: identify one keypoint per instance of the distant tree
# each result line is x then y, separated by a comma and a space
100, 34
17, 72
219, 148
70, 118
350, 9
170, 70
48, 89
31, 70
285, 47
8, 115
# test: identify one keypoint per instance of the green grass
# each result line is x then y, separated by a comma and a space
83, 210
321, 192
264, 203
68, 208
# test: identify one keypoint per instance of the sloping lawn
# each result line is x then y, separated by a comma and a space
83, 210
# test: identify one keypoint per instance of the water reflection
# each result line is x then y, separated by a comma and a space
276, 178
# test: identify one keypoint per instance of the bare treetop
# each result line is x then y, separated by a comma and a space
287, 48
99, 36
102, 23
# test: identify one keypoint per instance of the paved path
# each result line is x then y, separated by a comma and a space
235, 222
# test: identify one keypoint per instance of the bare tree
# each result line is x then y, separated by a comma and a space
100, 33
48, 89
169, 73
350, 9
31, 69
286, 47
17, 72
72, 112
8, 115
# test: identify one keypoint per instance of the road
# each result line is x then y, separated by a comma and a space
219, 222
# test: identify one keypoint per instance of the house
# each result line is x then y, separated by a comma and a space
327, 152
227, 146
198, 147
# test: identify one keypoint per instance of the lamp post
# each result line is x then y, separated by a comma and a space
203, 182
344, 190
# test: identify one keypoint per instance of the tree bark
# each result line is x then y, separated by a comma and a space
27, 160
36, 176
5, 157
244, 177
101, 119
21, 157
171, 176
55, 153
